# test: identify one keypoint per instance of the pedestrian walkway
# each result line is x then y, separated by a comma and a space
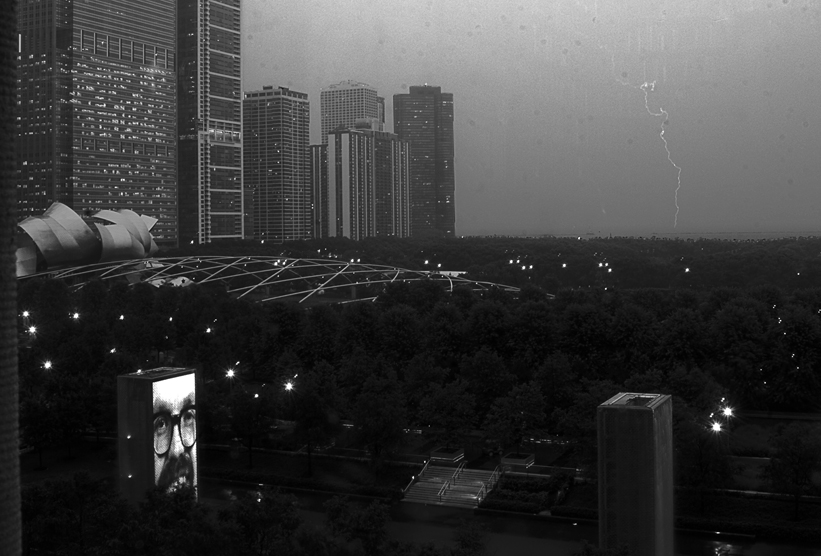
449, 486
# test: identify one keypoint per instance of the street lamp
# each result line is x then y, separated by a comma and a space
230, 374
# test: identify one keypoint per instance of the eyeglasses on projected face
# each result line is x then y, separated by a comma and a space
164, 423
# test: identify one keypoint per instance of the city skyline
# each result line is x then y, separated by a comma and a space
650, 121
554, 131
96, 110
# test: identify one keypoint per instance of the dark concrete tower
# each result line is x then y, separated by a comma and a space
635, 438
424, 118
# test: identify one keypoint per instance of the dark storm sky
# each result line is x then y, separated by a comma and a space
552, 131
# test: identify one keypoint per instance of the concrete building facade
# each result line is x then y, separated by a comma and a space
344, 104
368, 185
96, 118
319, 190
276, 164
635, 464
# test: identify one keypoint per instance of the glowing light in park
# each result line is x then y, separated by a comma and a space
716, 427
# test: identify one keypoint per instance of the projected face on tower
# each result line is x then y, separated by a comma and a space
175, 433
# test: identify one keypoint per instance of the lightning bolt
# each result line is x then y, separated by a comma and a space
648, 87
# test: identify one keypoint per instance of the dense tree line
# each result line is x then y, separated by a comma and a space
555, 263
419, 356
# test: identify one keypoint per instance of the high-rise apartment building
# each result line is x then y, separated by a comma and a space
96, 114
424, 118
344, 104
210, 120
276, 164
635, 440
368, 193
319, 190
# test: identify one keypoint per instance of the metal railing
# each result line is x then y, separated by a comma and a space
443, 489
482, 493
488, 485
419, 476
458, 472
494, 477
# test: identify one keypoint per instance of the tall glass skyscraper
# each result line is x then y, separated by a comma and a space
344, 104
276, 164
96, 118
210, 120
424, 118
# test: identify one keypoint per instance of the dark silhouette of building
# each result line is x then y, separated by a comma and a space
97, 108
210, 121
635, 439
276, 164
11, 525
424, 118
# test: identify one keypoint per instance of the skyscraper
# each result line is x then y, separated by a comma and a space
344, 104
276, 163
97, 108
635, 439
210, 120
368, 181
319, 190
424, 118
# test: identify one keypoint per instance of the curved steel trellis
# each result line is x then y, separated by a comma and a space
264, 279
